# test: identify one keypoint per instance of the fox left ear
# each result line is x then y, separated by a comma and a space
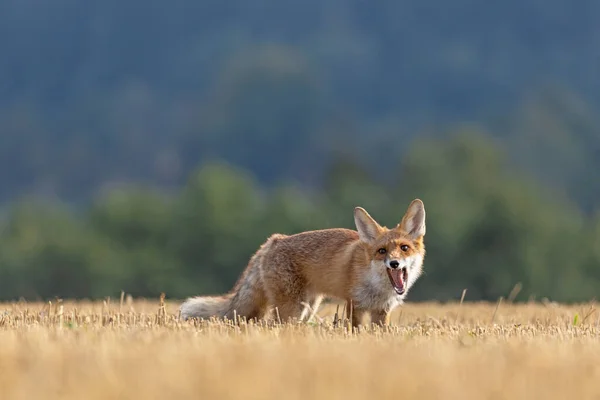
413, 222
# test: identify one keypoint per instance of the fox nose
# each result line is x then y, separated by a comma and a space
394, 264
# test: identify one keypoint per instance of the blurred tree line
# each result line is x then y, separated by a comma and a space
489, 228
150, 147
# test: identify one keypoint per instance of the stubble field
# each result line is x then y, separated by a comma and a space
140, 350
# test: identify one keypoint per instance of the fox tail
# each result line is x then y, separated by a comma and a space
247, 298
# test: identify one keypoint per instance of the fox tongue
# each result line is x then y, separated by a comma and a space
396, 278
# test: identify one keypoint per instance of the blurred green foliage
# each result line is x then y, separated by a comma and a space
489, 228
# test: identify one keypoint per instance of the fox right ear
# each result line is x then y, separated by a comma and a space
368, 228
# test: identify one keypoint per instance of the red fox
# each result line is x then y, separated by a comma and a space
371, 268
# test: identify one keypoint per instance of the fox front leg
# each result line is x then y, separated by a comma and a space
380, 317
354, 314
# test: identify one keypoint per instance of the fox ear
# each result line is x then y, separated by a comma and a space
368, 228
413, 222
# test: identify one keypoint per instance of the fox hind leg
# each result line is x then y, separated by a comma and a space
311, 307
289, 302
302, 308
285, 288
253, 308
288, 309
249, 300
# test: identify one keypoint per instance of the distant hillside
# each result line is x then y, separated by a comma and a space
131, 90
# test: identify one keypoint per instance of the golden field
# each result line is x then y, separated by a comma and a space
140, 350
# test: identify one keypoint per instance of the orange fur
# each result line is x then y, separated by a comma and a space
289, 271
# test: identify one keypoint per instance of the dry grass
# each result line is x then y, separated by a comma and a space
139, 350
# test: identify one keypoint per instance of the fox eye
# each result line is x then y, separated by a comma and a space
381, 251
404, 247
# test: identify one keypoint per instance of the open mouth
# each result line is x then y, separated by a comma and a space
398, 278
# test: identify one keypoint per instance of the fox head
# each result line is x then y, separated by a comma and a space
398, 252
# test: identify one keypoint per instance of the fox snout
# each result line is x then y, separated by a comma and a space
398, 276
